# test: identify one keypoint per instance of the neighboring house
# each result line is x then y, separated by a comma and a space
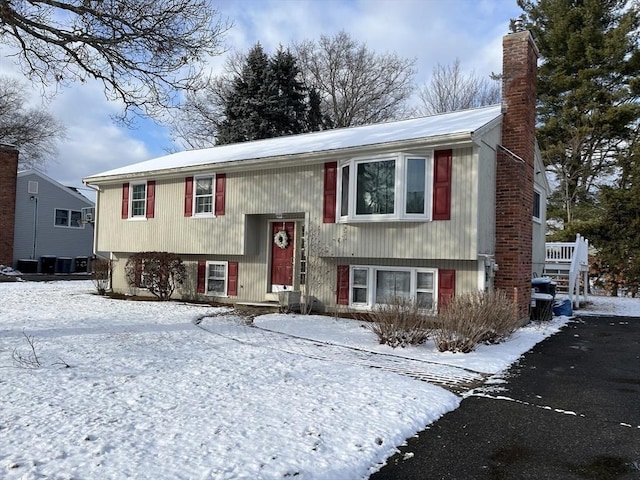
50, 234
423, 208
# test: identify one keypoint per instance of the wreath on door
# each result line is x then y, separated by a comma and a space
281, 239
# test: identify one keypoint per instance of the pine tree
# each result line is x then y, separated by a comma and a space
588, 93
268, 99
616, 233
245, 110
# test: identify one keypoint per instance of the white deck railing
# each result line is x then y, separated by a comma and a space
576, 256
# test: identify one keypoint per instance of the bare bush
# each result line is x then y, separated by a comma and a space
401, 322
101, 274
159, 272
28, 359
473, 318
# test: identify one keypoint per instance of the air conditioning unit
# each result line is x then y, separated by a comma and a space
88, 214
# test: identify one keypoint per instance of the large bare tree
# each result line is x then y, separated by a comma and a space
450, 89
357, 86
143, 51
30, 128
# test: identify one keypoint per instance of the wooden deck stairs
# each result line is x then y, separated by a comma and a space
567, 263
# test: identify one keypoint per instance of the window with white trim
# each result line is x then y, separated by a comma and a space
394, 187
203, 195
138, 200
371, 285
68, 218
216, 279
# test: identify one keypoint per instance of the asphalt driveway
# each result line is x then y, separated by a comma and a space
570, 409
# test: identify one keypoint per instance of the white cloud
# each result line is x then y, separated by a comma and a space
432, 31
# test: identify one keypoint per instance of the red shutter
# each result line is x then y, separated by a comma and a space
202, 272
330, 192
343, 285
188, 196
125, 200
151, 198
442, 185
221, 182
446, 287
232, 279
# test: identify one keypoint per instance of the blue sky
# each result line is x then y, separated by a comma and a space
432, 31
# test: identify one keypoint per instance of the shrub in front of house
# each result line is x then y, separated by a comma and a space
400, 322
101, 275
158, 272
473, 318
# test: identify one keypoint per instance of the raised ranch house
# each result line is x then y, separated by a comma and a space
423, 208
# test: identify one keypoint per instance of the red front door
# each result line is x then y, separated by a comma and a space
282, 256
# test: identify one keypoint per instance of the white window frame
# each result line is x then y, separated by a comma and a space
69, 212
213, 196
536, 190
226, 279
371, 284
400, 189
131, 200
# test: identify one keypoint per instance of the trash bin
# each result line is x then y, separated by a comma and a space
562, 308
28, 265
48, 264
544, 285
541, 307
80, 264
63, 265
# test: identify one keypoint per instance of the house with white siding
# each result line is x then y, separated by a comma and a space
423, 208
50, 235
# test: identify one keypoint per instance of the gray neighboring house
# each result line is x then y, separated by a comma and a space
51, 235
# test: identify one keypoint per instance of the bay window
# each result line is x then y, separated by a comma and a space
385, 188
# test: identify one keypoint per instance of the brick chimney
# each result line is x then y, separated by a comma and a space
8, 178
515, 169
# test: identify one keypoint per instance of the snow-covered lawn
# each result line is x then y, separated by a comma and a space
176, 391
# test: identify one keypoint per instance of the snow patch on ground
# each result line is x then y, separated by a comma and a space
150, 394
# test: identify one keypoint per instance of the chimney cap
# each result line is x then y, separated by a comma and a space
517, 25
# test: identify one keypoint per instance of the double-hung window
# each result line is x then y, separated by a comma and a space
68, 218
372, 285
216, 278
138, 199
203, 195
394, 187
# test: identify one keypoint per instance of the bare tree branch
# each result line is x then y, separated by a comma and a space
32, 129
357, 86
449, 89
143, 51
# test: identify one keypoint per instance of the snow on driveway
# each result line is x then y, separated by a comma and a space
177, 391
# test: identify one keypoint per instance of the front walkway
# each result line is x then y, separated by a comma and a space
237, 328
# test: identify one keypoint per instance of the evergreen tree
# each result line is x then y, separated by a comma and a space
268, 99
245, 109
616, 232
588, 93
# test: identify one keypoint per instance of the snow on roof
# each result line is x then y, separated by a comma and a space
460, 122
